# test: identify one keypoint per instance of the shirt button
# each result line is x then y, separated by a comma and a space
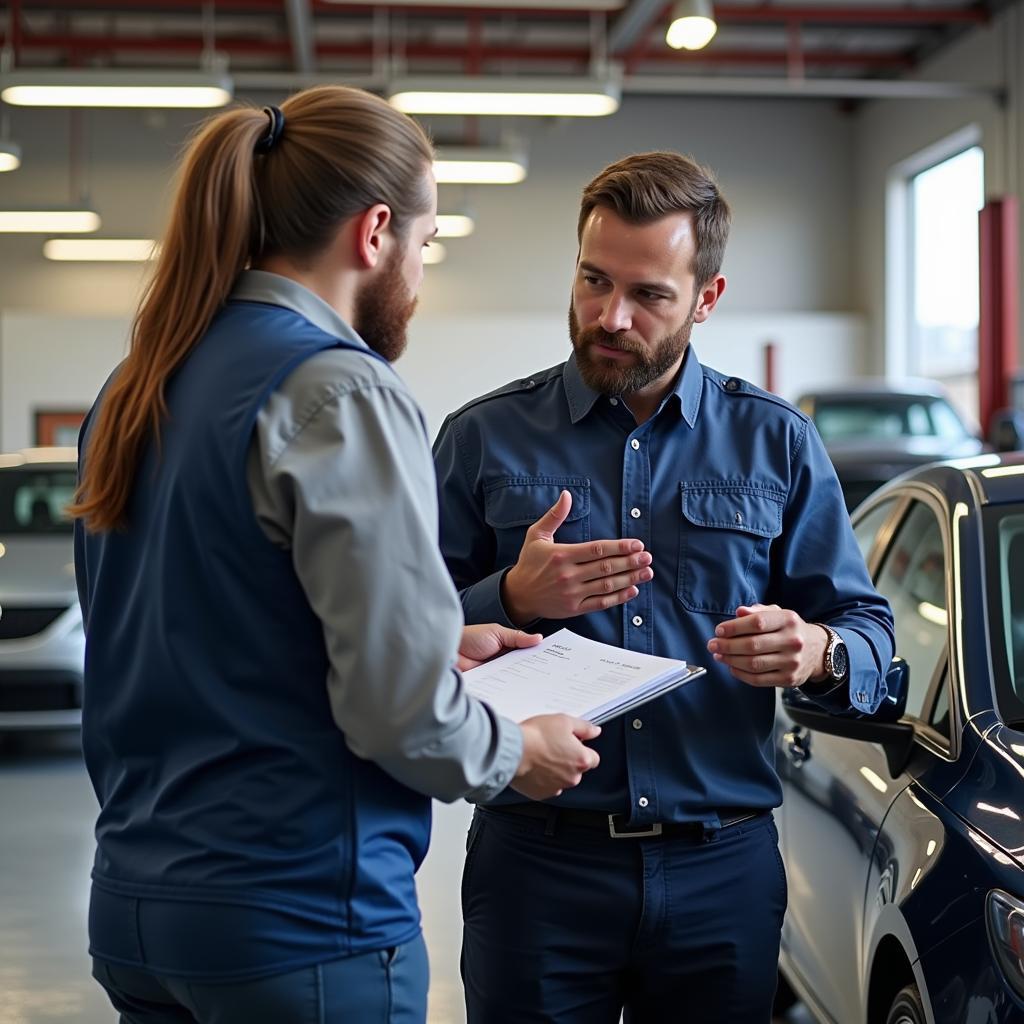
637, 724
635, 445
732, 384
613, 401
643, 801
635, 513
638, 620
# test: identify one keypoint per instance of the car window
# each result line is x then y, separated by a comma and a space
1011, 586
919, 423
838, 420
34, 500
947, 423
913, 578
868, 525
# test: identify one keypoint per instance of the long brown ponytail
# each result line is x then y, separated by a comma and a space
342, 151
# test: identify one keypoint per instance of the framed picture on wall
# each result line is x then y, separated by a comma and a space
58, 428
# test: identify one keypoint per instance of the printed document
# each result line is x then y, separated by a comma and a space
570, 674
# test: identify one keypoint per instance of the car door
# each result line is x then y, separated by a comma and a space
838, 790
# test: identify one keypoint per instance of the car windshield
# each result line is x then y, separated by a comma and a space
1004, 528
883, 416
33, 499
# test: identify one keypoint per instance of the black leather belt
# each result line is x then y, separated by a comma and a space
615, 827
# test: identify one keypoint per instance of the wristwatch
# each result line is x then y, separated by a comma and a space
837, 661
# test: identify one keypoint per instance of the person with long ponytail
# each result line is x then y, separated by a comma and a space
273, 644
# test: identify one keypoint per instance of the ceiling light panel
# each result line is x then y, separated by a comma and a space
115, 88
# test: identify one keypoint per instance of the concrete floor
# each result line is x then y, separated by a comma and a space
46, 815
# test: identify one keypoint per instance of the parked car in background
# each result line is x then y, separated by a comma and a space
873, 431
42, 643
903, 833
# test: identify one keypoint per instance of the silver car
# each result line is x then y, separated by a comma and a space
42, 643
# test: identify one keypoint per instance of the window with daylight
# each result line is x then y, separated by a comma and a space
944, 203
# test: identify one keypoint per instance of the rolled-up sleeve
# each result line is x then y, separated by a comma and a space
820, 573
353, 494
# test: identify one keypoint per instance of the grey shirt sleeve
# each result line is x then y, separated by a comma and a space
340, 474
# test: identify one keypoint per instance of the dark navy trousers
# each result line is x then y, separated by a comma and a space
385, 987
576, 927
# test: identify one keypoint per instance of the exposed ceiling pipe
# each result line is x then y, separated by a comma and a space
806, 88
732, 13
632, 25
300, 29
672, 85
453, 52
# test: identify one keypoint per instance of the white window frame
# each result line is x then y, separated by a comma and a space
899, 244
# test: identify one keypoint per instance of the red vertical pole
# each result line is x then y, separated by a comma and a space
999, 305
769, 366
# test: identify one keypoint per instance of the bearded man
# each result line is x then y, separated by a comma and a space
648, 501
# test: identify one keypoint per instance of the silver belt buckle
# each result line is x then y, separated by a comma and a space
738, 821
654, 830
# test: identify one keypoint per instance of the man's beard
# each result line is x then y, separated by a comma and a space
383, 309
612, 377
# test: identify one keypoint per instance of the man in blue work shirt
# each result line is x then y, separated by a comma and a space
647, 501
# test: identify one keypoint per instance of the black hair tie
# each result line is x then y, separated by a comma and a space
267, 142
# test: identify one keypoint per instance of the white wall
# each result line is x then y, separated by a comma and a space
496, 308
60, 362
890, 132
52, 362
453, 359
786, 167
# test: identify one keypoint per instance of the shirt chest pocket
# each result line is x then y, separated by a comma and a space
725, 533
513, 504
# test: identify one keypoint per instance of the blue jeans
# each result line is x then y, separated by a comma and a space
575, 927
386, 987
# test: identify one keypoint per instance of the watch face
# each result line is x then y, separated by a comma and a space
840, 661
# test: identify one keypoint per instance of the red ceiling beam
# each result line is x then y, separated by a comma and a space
318, 6
820, 14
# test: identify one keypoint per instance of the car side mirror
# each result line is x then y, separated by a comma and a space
1006, 431
883, 727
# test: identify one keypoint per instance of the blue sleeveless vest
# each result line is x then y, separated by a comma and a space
237, 835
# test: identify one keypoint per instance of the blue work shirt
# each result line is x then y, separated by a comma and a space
731, 490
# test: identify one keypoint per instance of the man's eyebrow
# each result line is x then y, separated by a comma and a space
652, 286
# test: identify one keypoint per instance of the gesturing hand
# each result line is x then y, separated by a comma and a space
481, 643
558, 581
766, 645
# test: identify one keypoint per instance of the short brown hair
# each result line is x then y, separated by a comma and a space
645, 187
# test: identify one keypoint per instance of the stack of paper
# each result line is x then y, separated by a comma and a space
570, 674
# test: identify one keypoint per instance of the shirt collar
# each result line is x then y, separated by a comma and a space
685, 396
276, 290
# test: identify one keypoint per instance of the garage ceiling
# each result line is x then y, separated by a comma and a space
285, 43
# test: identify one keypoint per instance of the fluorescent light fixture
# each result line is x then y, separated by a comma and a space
51, 453
693, 25
454, 225
100, 250
10, 155
476, 165
511, 97
115, 88
434, 253
48, 222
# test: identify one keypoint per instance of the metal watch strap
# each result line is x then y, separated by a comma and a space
833, 640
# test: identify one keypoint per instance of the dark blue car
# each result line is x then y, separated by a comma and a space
903, 834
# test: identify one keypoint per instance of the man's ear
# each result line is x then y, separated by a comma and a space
710, 293
371, 227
